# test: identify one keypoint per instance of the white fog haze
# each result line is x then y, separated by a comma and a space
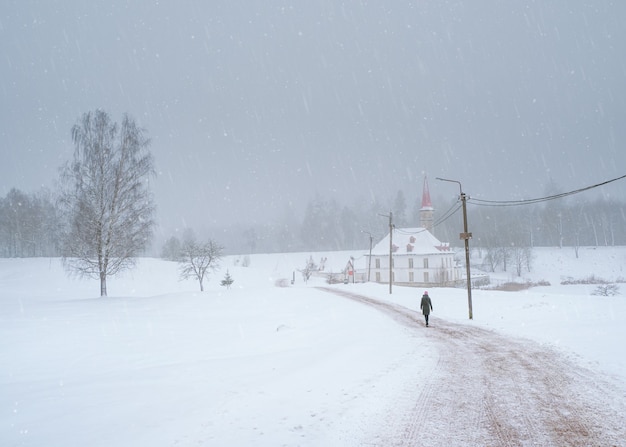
339, 223
253, 108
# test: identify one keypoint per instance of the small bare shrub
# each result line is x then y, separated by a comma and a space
282, 282
481, 282
333, 278
593, 279
513, 286
606, 290
517, 286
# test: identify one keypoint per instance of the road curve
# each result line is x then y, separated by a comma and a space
489, 389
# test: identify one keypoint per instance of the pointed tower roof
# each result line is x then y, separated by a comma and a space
426, 203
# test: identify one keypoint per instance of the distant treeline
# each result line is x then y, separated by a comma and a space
329, 226
31, 226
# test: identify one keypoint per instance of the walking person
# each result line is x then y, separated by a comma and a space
426, 306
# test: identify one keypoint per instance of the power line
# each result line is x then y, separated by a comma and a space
448, 214
482, 202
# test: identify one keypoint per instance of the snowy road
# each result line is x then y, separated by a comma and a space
490, 389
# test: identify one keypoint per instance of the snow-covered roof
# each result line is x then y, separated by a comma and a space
407, 241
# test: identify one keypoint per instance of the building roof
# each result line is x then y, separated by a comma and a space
411, 241
426, 202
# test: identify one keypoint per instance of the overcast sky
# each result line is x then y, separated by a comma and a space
252, 105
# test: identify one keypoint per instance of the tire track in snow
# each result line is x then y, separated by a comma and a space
490, 389
420, 413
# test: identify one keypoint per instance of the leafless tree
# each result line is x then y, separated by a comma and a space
308, 269
492, 258
105, 197
198, 258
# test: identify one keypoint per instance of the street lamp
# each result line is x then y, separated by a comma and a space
466, 236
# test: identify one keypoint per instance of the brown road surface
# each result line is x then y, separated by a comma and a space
488, 389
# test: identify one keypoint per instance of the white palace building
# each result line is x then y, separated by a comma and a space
418, 258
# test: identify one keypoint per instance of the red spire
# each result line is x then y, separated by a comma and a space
426, 203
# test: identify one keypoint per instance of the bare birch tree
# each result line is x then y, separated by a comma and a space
105, 197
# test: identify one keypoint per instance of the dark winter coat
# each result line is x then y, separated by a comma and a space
426, 305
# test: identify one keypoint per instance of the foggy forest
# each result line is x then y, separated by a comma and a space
31, 225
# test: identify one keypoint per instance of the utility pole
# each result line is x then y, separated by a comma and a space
390, 216
390, 250
466, 236
369, 262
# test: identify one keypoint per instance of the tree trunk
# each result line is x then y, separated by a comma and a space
103, 284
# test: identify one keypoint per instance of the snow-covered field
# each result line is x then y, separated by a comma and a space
158, 363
